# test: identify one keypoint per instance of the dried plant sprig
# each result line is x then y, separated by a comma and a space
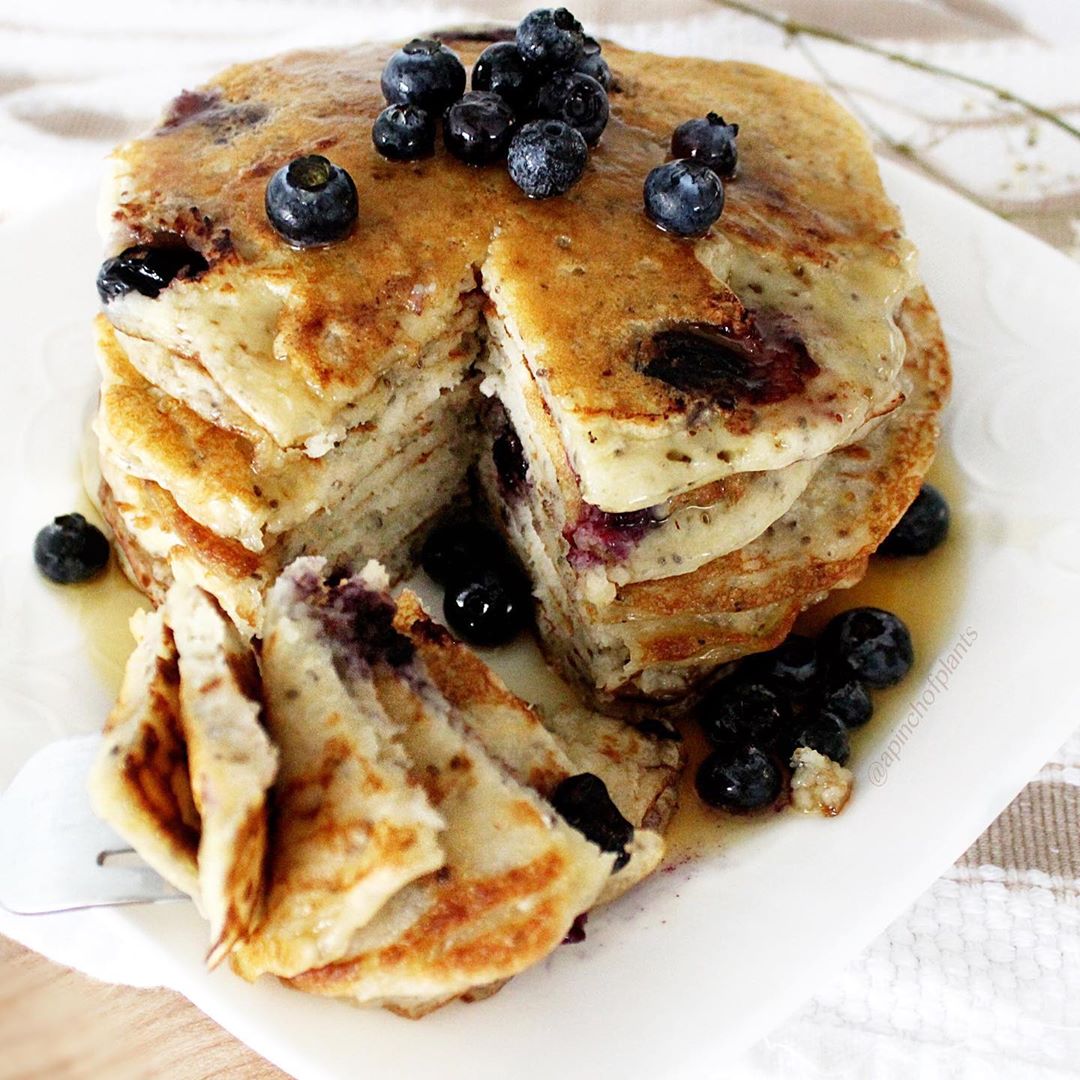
794, 28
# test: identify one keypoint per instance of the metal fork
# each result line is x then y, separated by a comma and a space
55, 853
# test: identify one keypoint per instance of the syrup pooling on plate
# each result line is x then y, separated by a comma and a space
925, 592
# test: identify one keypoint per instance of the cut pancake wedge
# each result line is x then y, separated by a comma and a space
540, 751
232, 762
140, 782
185, 766
515, 874
351, 828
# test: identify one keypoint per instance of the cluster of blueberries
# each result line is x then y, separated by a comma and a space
803, 693
551, 75
538, 102
810, 693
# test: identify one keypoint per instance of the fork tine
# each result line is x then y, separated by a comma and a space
52, 846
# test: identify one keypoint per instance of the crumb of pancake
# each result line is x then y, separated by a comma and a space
819, 785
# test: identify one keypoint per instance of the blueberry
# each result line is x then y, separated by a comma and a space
683, 197
478, 128
825, 734
738, 778
457, 548
487, 606
71, 550
923, 527
576, 99
593, 64
501, 70
547, 157
709, 141
872, 645
509, 458
585, 805
424, 73
404, 133
550, 38
743, 712
848, 701
147, 269
311, 201
791, 668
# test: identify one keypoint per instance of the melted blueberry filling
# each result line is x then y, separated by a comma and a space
602, 537
585, 805
224, 118
147, 269
765, 363
509, 457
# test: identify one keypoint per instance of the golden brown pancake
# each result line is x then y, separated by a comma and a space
185, 765
140, 782
660, 639
310, 343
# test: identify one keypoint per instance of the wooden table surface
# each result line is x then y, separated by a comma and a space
58, 1023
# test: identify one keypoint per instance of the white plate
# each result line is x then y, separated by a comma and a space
705, 959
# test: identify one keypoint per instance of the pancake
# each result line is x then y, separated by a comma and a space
351, 826
673, 537
379, 515
714, 432
662, 639
515, 874
140, 782
215, 473
231, 762
538, 751
310, 344
185, 765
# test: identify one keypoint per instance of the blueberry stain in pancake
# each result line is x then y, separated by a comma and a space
509, 457
766, 363
358, 620
224, 118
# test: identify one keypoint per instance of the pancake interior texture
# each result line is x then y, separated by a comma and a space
284, 402
351, 827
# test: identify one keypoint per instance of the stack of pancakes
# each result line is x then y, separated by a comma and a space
688, 442
365, 812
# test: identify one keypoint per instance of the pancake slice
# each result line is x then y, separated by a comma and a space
185, 764
226, 480
662, 640
539, 751
351, 827
231, 761
515, 876
139, 783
